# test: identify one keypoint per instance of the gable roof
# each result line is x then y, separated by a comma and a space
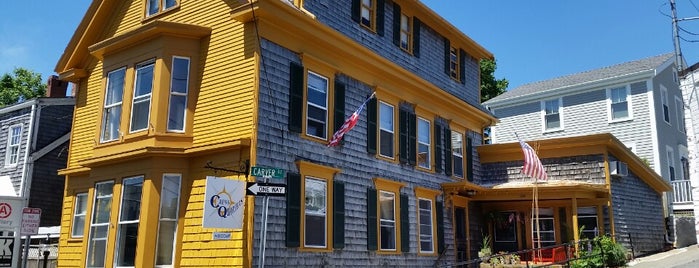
579, 79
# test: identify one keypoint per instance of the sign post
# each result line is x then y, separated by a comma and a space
265, 189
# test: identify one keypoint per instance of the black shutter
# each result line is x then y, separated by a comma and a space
447, 152
371, 222
396, 24
356, 6
403, 126
438, 147
371, 126
469, 159
440, 226
447, 56
416, 37
339, 108
338, 215
404, 224
412, 138
462, 66
293, 210
380, 14
295, 97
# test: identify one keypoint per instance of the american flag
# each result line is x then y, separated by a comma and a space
349, 123
532, 165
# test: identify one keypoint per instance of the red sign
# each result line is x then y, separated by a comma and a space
5, 210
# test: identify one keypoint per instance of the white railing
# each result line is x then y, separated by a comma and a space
682, 191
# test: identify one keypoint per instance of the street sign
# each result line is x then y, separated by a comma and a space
267, 172
266, 189
31, 218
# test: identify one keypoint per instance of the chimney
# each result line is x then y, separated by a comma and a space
56, 88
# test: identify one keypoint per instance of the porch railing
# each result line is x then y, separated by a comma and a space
682, 190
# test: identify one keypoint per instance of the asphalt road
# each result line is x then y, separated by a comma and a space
687, 257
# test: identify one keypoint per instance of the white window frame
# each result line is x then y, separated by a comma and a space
560, 115
391, 130
109, 196
309, 103
122, 222
142, 98
671, 167
383, 221
428, 158
173, 93
610, 112
14, 142
109, 106
79, 215
324, 212
679, 110
455, 154
666, 107
178, 178
162, 6
425, 237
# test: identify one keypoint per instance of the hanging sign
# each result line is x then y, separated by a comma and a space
224, 203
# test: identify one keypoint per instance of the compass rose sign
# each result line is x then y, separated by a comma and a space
224, 203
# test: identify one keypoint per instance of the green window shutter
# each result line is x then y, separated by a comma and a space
338, 215
396, 24
412, 139
293, 210
356, 6
404, 224
403, 126
371, 220
371, 127
440, 226
462, 66
447, 152
416, 37
295, 97
339, 115
438, 147
447, 55
380, 16
469, 159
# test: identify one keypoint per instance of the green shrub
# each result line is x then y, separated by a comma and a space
605, 253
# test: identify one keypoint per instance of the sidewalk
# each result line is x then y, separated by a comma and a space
672, 258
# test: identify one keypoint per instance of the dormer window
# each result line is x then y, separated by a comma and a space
157, 6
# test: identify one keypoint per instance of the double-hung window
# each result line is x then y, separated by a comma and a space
457, 153
157, 6
425, 223
386, 130
679, 106
317, 106
367, 12
169, 215
14, 137
315, 213
387, 220
99, 226
140, 109
405, 32
129, 216
664, 101
619, 104
552, 115
79, 213
423, 143
179, 84
111, 115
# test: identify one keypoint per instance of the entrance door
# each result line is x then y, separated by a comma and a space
460, 234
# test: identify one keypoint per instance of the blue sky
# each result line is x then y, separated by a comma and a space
531, 40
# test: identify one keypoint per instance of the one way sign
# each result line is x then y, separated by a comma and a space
266, 189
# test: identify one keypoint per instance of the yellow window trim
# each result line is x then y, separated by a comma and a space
326, 174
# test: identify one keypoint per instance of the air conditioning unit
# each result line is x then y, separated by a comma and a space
618, 169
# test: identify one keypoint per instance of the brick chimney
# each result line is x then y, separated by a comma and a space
56, 88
